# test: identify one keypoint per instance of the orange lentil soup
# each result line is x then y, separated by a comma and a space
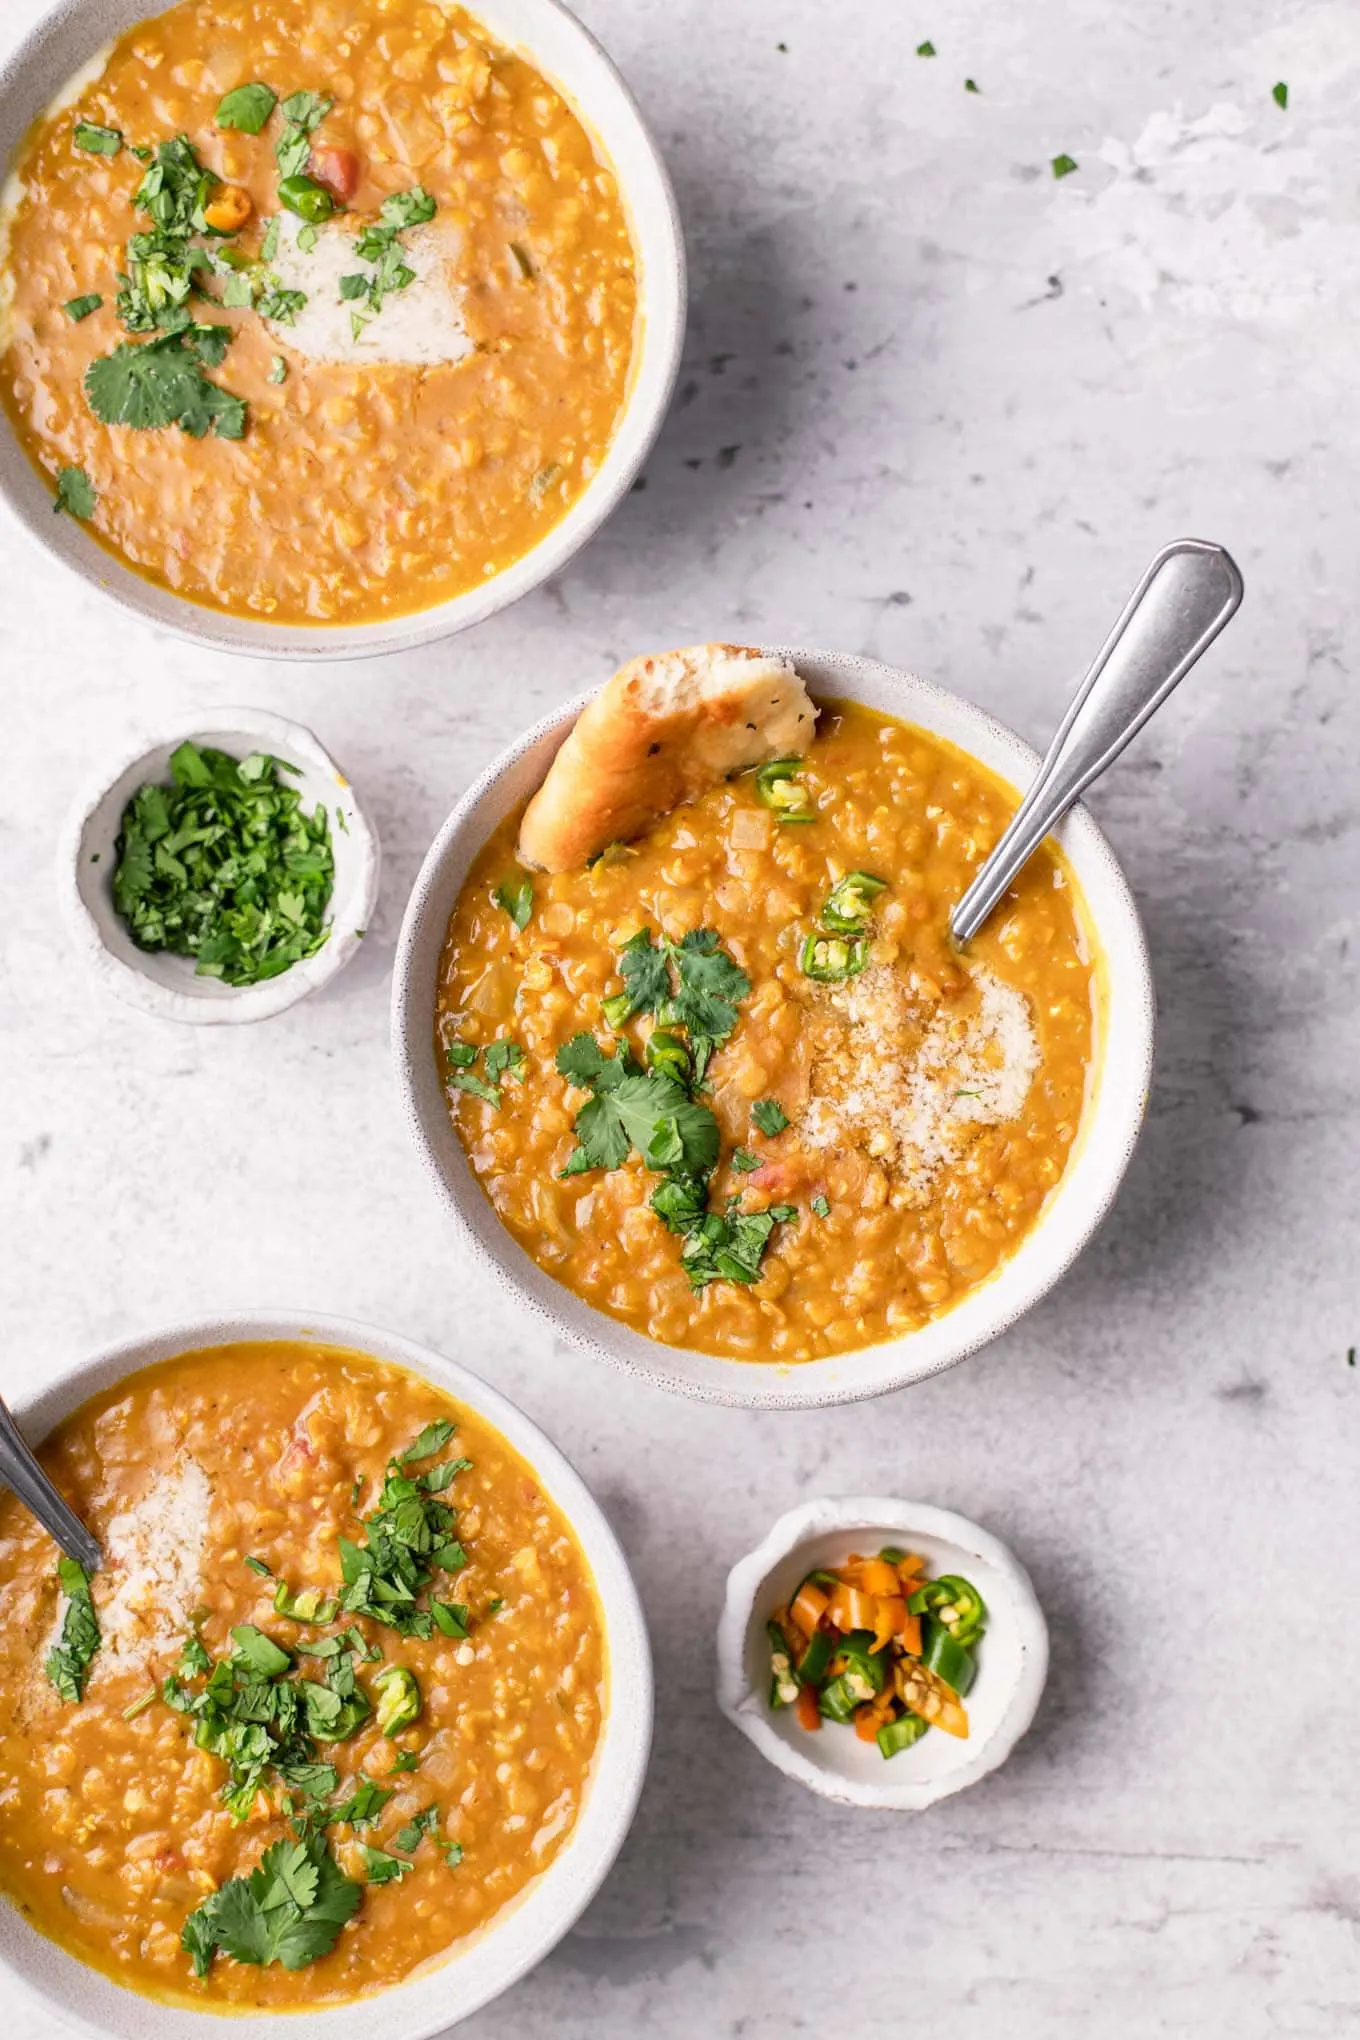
115, 1827
358, 488
903, 1120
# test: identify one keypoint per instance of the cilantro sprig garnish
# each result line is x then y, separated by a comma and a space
655, 1110
501, 1058
302, 113
410, 1538
379, 245
75, 493
67, 1664
224, 866
289, 1910
633, 1108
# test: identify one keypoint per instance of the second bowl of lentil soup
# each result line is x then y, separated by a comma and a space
359, 1624
267, 454
924, 1140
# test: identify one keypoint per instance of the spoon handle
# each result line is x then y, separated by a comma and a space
1174, 614
21, 1471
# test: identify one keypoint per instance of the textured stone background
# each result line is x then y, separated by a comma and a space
939, 407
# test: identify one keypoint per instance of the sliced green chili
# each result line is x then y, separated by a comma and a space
783, 1684
783, 792
815, 1659
837, 1702
311, 1605
308, 199
828, 959
617, 1008
898, 1735
957, 1604
666, 1052
942, 1655
850, 907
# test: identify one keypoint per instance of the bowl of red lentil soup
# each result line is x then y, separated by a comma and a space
925, 1140
359, 1702
333, 326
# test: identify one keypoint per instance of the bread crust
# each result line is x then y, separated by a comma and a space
664, 729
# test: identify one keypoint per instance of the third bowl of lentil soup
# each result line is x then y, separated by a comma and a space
334, 325
724, 1102
358, 1702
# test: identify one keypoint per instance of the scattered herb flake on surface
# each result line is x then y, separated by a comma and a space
971, 85
1280, 94
75, 492
769, 1116
96, 140
821, 1207
224, 866
1064, 165
743, 1161
247, 108
925, 49
517, 899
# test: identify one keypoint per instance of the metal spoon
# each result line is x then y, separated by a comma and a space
1174, 614
21, 1471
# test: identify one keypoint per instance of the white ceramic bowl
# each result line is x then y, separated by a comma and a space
544, 31
164, 985
534, 1923
1110, 1130
1012, 1657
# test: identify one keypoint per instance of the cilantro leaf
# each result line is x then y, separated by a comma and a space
247, 108
161, 382
821, 1207
452, 1852
581, 1060
381, 1867
743, 1161
96, 140
420, 1824
407, 208
711, 984
1280, 94
769, 1116
517, 900
426, 1443
289, 1910
75, 492
476, 1087
461, 1054
1064, 165
259, 1653
505, 1058
198, 1939
727, 1247
67, 1664
646, 977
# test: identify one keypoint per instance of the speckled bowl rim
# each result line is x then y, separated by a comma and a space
127, 978
1113, 1118
71, 32
852, 1516
533, 1924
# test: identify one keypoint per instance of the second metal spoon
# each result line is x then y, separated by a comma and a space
20, 1470
1174, 614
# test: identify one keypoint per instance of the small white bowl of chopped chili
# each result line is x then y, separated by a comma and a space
220, 870
883, 1653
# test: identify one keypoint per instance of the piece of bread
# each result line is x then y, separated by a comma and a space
661, 732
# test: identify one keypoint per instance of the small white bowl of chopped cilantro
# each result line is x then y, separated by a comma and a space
220, 870
883, 1653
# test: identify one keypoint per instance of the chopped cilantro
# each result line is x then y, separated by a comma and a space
1064, 165
460, 1054
163, 262
452, 1852
238, 291
139, 1707
282, 306
410, 1536
405, 1760
289, 1910
302, 112
505, 1058
743, 1161
476, 1087
379, 245
78, 308
278, 372
75, 492
269, 246
422, 1823
247, 108
769, 1116
96, 140
1280, 94
925, 49
193, 1658
67, 1664
517, 900
257, 1653
426, 1443
971, 85
494, 1607
821, 1207
729, 1246
692, 983
224, 866
307, 237
380, 1867
451, 1618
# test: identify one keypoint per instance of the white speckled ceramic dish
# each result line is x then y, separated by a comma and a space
517, 1938
1114, 1111
1012, 1657
164, 985
75, 31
